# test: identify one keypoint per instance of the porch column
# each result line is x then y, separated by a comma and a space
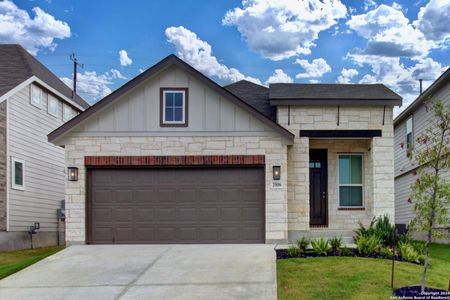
382, 162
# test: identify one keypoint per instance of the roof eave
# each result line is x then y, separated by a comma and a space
334, 102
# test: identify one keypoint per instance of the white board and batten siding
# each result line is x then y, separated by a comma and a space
137, 113
404, 176
44, 164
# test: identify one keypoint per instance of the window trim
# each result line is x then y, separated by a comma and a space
41, 98
48, 105
410, 117
343, 207
13, 174
162, 121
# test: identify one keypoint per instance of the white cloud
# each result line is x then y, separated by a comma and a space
403, 80
124, 59
198, 53
279, 76
347, 75
279, 29
433, 20
314, 81
141, 70
92, 86
116, 74
389, 33
369, 4
34, 34
316, 68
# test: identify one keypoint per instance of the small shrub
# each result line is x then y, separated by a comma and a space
409, 253
336, 244
293, 251
419, 246
379, 227
368, 245
386, 252
302, 244
320, 246
346, 252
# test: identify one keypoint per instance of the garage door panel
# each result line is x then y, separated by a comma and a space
187, 214
252, 213
209, 234
102, 196
230, 234
208, 213
187, 234
166, 214
228, 214
197, 205
123, 215
144, 214
102, 214
103, 234
166, 233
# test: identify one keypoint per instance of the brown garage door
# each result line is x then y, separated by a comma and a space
197, 205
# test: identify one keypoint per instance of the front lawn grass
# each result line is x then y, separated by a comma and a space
355, 277
11, 262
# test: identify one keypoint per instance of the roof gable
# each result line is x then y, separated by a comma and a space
17, 66
163, 65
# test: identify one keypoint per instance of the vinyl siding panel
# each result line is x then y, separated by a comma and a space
138, 112
422, 119
44, 173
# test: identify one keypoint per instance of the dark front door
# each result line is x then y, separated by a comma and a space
318, 186
179, 205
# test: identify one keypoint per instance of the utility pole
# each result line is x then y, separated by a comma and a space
74, 59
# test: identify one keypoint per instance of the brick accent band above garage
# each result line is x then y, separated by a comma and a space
181, 160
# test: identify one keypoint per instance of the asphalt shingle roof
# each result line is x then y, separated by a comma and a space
255, 95
17, 65
331, 91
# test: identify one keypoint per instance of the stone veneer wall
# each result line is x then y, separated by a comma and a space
3, 187
379, 158
273, 148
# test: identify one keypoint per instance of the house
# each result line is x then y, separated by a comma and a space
172, 157
33, 102
408, 125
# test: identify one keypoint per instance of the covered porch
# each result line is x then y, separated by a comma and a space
346, 181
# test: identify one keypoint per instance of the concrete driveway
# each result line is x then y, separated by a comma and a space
148, 272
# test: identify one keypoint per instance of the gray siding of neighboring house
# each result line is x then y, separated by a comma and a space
404, 176
3, 166
44, 168
138, 113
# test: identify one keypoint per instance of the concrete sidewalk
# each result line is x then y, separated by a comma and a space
148, 272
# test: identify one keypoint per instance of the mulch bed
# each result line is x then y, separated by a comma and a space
283, 254
414, 292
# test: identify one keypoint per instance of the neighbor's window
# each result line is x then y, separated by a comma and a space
36, 96
17, 176
68, 113
52, 106
350, 180
409, 133
174, 107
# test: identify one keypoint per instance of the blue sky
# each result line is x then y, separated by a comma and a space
265, 41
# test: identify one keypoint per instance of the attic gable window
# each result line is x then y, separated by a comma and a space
36, 96
174, 107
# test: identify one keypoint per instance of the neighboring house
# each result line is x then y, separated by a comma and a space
172, 157
409, 125
33, 102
